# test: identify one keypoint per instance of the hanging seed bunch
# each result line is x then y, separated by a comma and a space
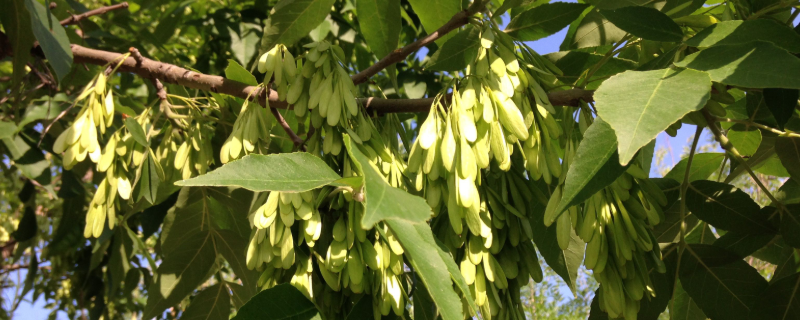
250, 133
193, 156
330, 95
81, 139
616, 223
279, 67
119, 158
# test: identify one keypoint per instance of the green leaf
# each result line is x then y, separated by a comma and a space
616, 4
788, 150
646, 23
757, 64
509, 4
234, 249
763, 157
17, 26
596, 166
641, 104
244, 44
382, 201
380, 24
662, 285
544, 20
722, 284
28, 159
27, 227
281, 302
424, 308
680, 8
594, 31
423, 253
703, 165
781, 300
790, 225
69, 234
213, 302
435, 13
745, 139
136, 131
740, 32
52, 38
457, 52
7, 129
726, 207
289, 172
781, 103
180, 273
236, 72
291, 20
149, 180
573, 64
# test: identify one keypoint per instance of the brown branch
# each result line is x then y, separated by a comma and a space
298, 142
458, 20
73, 19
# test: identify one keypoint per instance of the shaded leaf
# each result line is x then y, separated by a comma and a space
27, 227
684, 307
739, 32
281, 302
290, 172
213, 302
544, 20
757, 64
457, 52
641, 104
380, 24
790, 225
52, 38
788, 150
745, 139
782, 103
726, 207
149, 180
646, 23
722, 284
743, 244
703, 165
781, 300
17, 26
291, 20
680, 8
136, 131
594, 31
596, 166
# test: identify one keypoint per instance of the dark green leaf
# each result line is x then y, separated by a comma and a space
722, 284
17, 26
781, 300
544, 20
69, 234
564, 262
662, 284
743, 244
234, 248
7, 129
701, 234
235, 71
616, 4
136, 131
684, 307
790, 225
382, 201
726, 207
782, 103
640, 104
757, 64
573, 64
646, 23
787, 264
424, 308
27, 227
292, 172
52, 38
788, 150
181, 272
213, 303
596, 166
509, 4
291, 20
380, 24
281, 302
739, 32
28, 159
703, 165
458, 52
435, 13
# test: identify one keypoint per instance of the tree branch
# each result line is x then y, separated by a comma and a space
458, 20
73, 19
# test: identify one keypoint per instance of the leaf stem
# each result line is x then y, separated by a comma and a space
760, 126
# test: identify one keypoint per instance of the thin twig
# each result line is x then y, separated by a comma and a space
73, 19
298, 142
760, 126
